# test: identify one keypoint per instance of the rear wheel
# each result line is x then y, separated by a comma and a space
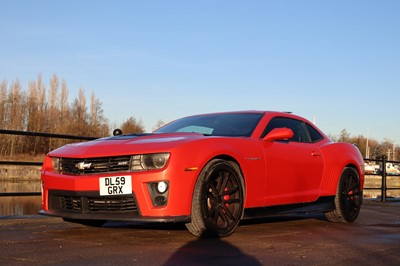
217, 205
348, 198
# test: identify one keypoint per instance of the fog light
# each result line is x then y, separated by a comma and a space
160, 201
158, 192
162, 187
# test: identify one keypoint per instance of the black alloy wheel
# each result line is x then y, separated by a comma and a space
348, 198
218, 199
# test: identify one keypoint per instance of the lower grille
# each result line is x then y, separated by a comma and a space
92, 204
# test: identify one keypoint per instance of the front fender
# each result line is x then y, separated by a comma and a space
246, 152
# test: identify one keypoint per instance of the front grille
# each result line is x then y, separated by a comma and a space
74, 166
92, 204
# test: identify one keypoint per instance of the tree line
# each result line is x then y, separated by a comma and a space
370, 148
42, 108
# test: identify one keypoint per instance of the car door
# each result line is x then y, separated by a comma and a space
293, 167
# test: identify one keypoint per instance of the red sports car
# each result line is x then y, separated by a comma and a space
209, 171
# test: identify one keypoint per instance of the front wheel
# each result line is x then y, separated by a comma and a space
217, 205
348, 198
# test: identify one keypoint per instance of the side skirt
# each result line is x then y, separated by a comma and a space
323, 204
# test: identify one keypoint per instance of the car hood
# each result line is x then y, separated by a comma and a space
126, 145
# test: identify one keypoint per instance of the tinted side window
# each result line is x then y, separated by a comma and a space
314, 134
300, 133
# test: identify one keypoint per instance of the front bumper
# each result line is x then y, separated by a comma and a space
72, 196
89, 205
117, 217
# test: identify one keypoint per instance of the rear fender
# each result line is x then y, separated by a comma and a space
337, 156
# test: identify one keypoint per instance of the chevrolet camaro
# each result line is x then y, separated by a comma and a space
208, 171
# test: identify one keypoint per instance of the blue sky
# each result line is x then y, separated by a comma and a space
337, 61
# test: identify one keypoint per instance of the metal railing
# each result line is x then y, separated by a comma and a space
42, 134
22, 163
382, 161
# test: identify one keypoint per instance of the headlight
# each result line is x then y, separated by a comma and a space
56, 164
149, 161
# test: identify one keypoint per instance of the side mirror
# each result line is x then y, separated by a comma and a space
282, 133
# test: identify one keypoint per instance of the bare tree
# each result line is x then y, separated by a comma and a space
42, 110
53, 110
3, 116
3, 103
15, 113
32, 115
53, 105
344, 135
98, 123
132, 126
64, 107
159, 124
42, 106
79, 115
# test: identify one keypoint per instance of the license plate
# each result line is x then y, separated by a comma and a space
115, 185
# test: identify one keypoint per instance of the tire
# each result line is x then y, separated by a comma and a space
218, 199
92, 223
348, 198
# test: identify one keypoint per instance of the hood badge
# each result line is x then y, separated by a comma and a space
83, 165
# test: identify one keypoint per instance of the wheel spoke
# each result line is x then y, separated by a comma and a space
231, 201
221, 200
351, 195
224, 177
224, 218
354, 188
212, 202
348, 183
214, 190
352, 206
227, 213
211, 196
218, 196
348, 197
352, 184
217, 213
231, 191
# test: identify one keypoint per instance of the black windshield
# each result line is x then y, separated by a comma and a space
233, 125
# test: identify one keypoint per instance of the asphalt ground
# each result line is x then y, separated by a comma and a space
373, 239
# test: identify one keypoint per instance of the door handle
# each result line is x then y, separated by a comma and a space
314, 153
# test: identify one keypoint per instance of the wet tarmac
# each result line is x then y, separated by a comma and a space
373, 239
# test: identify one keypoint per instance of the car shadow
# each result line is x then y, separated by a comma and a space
146, 225
283, 218
181, 226
210, 251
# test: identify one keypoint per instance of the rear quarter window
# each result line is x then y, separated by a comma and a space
314, 134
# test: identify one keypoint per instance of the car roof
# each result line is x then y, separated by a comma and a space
244, 112
264, 113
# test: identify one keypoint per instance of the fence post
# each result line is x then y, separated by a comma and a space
383, 188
